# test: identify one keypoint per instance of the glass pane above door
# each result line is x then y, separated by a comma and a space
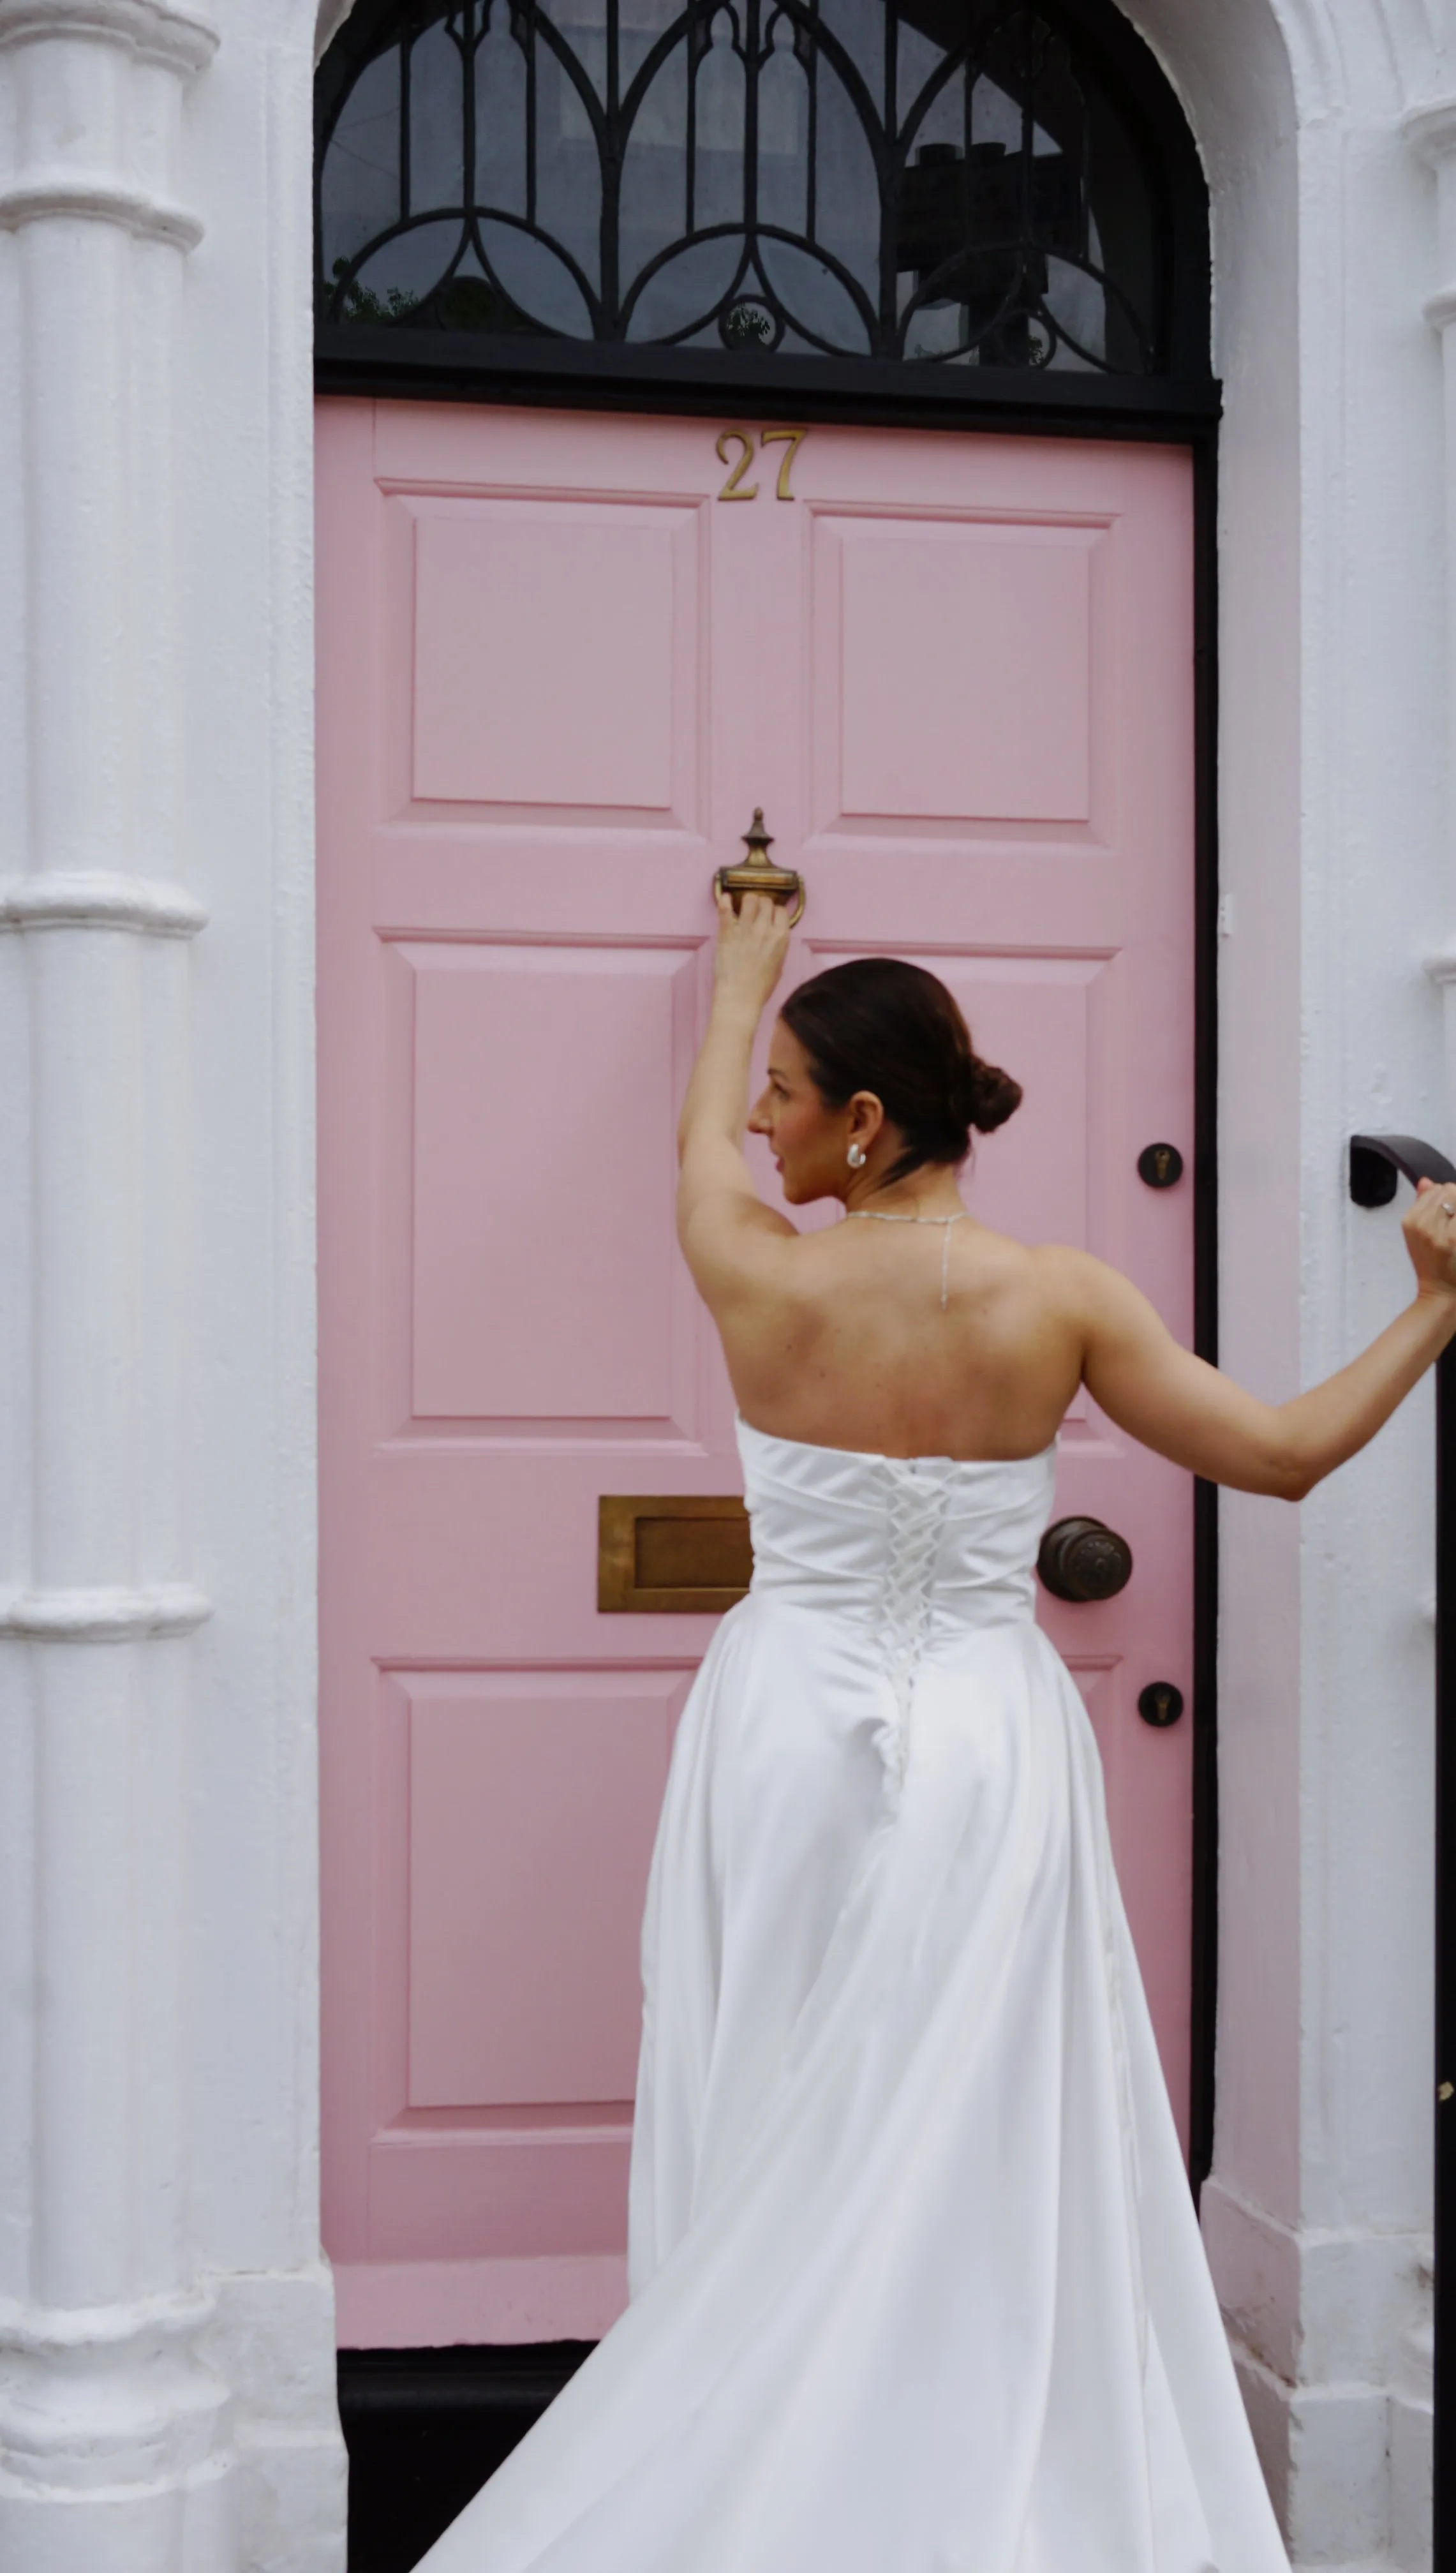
932, 183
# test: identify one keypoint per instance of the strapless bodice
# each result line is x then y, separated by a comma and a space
932, 1543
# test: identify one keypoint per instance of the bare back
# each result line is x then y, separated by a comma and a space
840, 1338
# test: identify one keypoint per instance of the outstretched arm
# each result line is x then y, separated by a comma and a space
718, 1208
1185, 1409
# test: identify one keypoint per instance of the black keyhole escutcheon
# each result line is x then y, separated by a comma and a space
1160, 1703
1161, 1165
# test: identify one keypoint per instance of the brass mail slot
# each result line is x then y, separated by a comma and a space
687, 1552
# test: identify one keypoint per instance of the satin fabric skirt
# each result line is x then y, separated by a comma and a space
916, 2283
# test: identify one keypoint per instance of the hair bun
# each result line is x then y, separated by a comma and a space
991, 1096
882, 1024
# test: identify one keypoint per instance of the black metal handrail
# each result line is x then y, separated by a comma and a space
1376, 1162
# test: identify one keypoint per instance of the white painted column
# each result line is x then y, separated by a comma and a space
115, 2438
1333, 849
1431, 129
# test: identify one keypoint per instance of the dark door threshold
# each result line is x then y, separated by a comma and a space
425, 2427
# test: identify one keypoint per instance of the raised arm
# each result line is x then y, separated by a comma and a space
1183, 1408
721, 1217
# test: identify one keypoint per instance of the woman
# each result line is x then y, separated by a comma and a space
917, 2283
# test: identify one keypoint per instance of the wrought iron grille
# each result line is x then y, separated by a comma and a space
944, 182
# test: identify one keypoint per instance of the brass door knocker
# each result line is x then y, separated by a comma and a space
756, 875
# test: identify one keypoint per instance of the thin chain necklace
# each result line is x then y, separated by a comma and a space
884, 1214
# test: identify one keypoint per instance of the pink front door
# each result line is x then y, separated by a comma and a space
559, 664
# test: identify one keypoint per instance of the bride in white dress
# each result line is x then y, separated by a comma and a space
917, 2285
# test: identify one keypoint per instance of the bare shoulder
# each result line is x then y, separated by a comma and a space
1055, 1275
736, 1246
1088, 1299
1078, 1281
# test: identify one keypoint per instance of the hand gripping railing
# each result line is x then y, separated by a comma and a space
1375, 1161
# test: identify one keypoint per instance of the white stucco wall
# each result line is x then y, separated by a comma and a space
1335, 855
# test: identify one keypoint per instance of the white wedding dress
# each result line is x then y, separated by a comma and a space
915, 2280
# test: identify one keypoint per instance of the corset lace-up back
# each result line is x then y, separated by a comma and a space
916, 1522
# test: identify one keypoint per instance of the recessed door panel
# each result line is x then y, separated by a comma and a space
513, 702
556, 674
503, 1766
509, 1322
998, 726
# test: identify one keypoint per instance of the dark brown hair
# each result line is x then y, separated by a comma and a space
879, 1023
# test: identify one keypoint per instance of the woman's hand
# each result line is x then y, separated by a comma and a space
751, 945
1430, 1237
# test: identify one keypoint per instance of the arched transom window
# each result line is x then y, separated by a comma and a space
934, 183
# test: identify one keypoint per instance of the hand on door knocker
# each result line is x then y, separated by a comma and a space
756, 875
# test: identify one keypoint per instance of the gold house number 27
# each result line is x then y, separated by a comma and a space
735, 488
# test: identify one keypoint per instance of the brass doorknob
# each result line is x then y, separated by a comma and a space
757, 876
1082, 1559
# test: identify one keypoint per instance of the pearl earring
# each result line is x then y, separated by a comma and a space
855, 1158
